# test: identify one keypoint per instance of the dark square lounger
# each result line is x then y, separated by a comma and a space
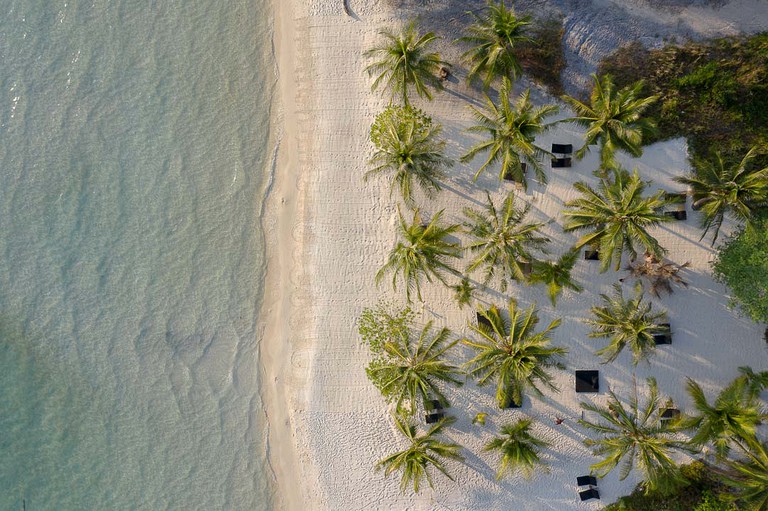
665, 335
559, 163
562, 148
667, 414
591, 254
432, 418
434, 405
592, 493
587, 381
586, 481
482, 320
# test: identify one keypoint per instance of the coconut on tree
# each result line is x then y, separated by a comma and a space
405, 61
731, 419
613, 119
512, 354
635, 436
509, 132
423, 453
721, 187
493, 37
556, 275
422, 253
501, 243
520, 450
406, 370
617, 216
409, 147
626, 322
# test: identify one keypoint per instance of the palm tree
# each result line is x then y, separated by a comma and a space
494, 37
511, 353
501, 242
618, 217
659, 274
408, 146
421, 254
407, 372
734, 415
404, 62
626, 322
511, 129
424, 451
720, 187
518, 447
748, 478
613, 118
631, 435
556, 275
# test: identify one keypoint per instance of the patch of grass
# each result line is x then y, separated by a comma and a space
714, 93
543, 58
702, 493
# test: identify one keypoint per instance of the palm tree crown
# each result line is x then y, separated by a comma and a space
749, 478
734, 415
556, 275
511, 353
405, 62
510, 130
493, 37
613, 119
518, 447
409, 147
626, 322
500, 242
424, 451
618, 216
720, 187
421, 254
632, 435
408, 371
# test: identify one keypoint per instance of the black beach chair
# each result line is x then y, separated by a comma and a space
586, 481
587, 381
592, 493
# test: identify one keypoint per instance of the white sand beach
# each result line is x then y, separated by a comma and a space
329, 232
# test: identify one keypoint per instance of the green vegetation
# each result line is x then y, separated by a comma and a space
404, 62
422, 253
721, 187
510, 130
742, 264
614, 119
618, 216
409, 147
501, 242
511, 353
382, 323
714, 93
423, 452
626, 322
703, 491
518, 447
556, 275
635, 436
493, 38
748, 478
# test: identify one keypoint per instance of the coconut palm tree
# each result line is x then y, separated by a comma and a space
512, 354
409, 370
626, 322
734, 415
720, 187
613, 118
618, 217
756, 382
422, 253
518, 447
748, 477
659, 274
634, 436
404, 62
423, 452
501, 243
556, 275
493, 37
409, 147
510, 130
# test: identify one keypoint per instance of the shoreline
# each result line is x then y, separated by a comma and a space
327, 232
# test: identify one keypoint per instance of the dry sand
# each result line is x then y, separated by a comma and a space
328, 233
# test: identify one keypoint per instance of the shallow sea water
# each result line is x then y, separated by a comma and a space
134, 157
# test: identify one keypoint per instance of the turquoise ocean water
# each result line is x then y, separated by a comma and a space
134, 158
